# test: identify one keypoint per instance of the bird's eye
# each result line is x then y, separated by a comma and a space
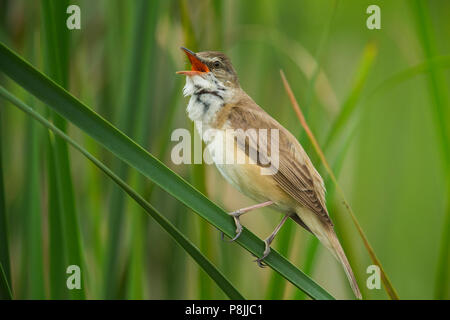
216, 64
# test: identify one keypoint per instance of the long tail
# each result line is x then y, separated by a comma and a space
327, 236
336, 248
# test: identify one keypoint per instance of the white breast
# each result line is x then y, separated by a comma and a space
208, 96
203, 106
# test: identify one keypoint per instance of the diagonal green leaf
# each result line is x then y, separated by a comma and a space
179, 237
123, 147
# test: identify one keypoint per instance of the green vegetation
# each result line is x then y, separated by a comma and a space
376, 102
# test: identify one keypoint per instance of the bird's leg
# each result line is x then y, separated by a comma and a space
269, 240
236, 214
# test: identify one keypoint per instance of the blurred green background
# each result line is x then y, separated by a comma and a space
389, 152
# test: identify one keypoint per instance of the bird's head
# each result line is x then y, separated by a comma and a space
211, 66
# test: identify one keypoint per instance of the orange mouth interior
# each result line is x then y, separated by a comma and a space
197, 68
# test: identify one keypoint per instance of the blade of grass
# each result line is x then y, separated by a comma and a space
4, 243
54, 15
440, 102
5, 269
123, 147
184, 242
177, 283
139, 57
5, 289
34, 242
386, 282
31, 275
56, 52
57, 253
138, 263
56, 243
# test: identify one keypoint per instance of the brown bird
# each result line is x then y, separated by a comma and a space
256, 154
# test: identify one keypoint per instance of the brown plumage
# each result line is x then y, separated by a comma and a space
294, 187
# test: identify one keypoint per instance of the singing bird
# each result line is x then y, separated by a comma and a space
219, 105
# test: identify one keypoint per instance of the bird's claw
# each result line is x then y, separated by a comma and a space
232, 239
238, 233
260, 263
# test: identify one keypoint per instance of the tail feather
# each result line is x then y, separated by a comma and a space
325, 233
338, 252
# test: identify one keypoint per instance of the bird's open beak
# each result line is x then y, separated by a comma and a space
198, 67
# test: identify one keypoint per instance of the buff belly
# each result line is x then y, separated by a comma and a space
246, 176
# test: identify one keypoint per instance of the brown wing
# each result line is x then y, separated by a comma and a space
295, 175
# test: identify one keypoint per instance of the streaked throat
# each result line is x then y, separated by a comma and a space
208, 96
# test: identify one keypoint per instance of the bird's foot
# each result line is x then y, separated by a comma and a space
235, 215
259, 261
